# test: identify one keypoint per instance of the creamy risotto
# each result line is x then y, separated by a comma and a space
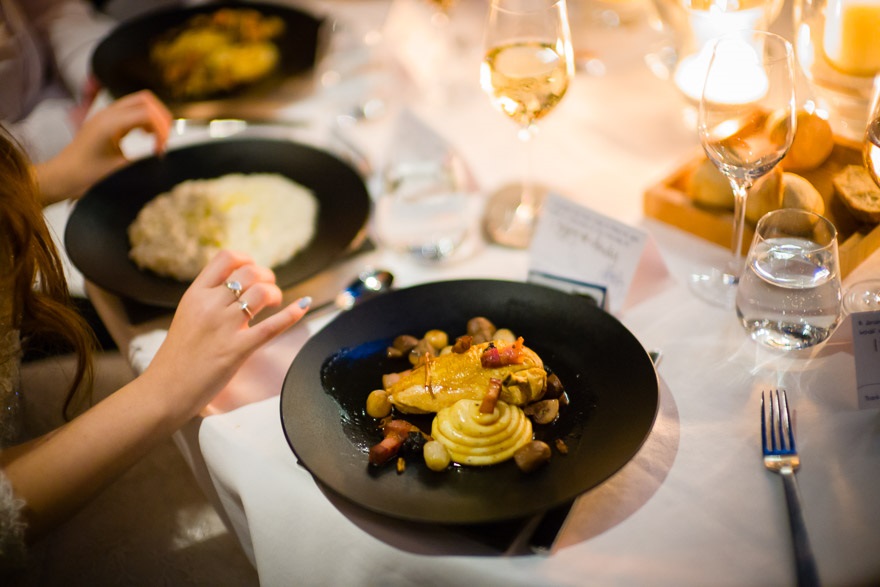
265, 215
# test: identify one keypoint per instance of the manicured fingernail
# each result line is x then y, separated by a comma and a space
304, 302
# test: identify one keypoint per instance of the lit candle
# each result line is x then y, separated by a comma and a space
852, 36
743, 79
706, 25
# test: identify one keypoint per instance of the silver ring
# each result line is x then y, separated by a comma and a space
234, 287
244, 308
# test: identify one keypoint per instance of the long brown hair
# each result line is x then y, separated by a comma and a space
43, 309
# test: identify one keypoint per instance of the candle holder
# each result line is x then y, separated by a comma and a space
689, 25
838, 46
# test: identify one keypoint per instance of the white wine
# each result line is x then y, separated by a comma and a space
872, 150
525, 80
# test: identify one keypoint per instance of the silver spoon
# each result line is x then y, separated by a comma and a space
369, 283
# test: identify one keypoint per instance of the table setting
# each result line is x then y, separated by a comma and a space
679, 406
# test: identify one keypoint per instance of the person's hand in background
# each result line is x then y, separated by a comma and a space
96, 151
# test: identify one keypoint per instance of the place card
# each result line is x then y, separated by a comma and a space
577, 249
866, 349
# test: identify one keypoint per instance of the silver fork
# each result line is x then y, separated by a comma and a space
780, 456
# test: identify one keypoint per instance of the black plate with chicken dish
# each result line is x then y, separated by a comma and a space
210, 51
555, 348
194, 199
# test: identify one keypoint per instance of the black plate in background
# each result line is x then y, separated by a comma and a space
96, 236
609, 377
121, 61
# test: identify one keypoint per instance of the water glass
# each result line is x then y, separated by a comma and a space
789, 295
426, 208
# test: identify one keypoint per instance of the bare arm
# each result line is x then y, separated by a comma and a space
95, 150
207, 342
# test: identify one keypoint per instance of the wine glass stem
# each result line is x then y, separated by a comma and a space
740, 193
527, 199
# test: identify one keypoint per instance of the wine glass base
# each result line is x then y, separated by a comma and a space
863, 296
510, 222
715, 287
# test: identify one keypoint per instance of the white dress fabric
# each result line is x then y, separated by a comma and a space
45, 60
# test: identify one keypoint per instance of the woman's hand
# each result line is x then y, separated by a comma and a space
211, 336
207, 342
95, 151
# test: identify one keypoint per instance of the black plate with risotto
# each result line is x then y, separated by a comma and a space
96, 236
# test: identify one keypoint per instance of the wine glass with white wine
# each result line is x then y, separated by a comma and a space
864, 296
526, 69
746, 126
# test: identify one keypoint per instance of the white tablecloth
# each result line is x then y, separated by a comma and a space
694, 507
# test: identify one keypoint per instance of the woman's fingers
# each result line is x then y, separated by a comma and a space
145, 111
257, 297
218, 269
250, 274
265, 330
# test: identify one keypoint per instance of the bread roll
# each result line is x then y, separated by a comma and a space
813, 139
859, 193
798, 192
765, 196
709, 187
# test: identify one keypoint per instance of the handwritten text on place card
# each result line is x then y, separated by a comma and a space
866, 348
574, 242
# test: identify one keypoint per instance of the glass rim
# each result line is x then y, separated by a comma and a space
788, 52
816, 218
537, 5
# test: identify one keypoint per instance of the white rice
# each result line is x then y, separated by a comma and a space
265, 215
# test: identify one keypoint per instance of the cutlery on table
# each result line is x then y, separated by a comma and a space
781, 456
369, 283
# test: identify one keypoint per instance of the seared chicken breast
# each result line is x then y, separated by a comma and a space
442, 381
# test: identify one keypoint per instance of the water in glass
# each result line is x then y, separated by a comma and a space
424, 211
789, 295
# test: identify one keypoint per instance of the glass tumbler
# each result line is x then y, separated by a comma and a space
789, 295
427, 208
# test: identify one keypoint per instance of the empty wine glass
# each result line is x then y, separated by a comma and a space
526, 69
864, 296
750, 77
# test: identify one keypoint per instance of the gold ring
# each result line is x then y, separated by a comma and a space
234, 287
244, 308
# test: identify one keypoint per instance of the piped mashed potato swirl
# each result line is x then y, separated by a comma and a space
478, 439
266, 215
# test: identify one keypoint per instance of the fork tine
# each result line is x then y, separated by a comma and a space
763, 425
785, 421
774, 420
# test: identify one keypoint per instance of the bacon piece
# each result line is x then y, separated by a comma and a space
398, 428
395, 432
385, 451
487, 406
462, 344
493, 357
